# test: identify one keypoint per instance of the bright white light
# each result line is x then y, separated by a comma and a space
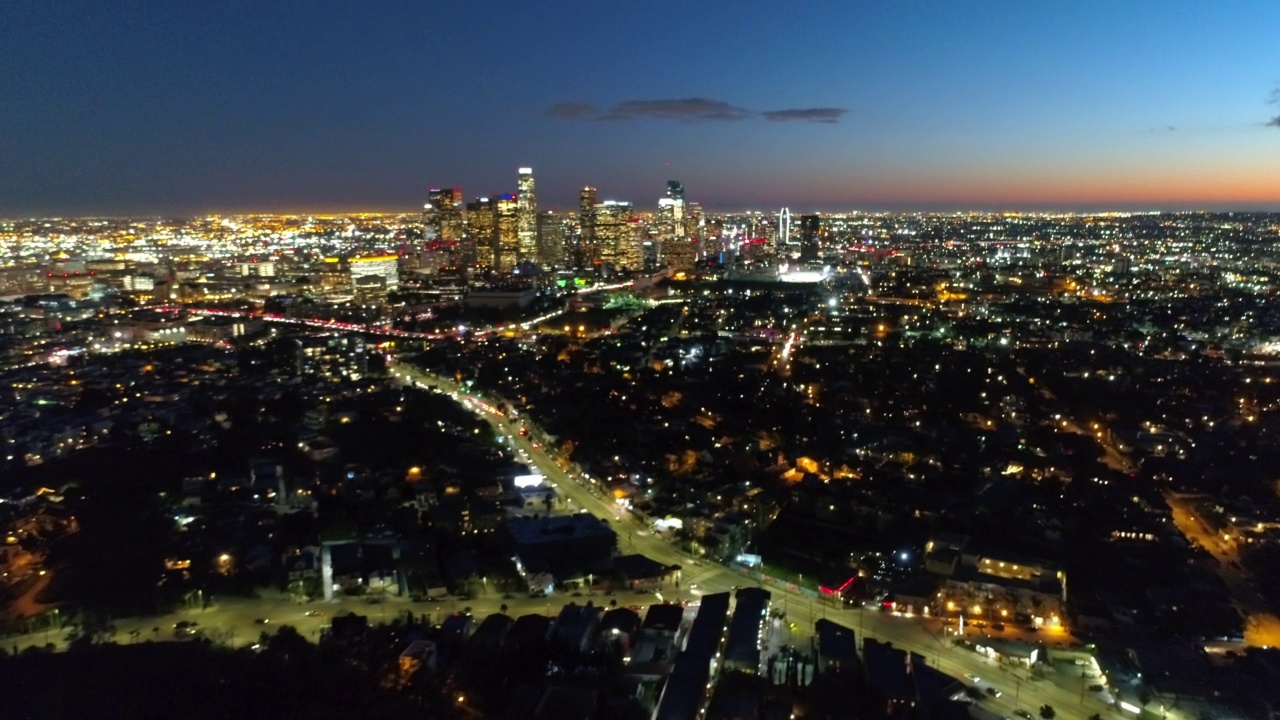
528, 481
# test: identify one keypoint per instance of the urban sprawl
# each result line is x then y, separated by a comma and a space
487, 460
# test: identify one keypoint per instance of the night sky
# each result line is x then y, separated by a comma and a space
175, 107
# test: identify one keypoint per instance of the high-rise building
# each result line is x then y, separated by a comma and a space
671, 211
695, 228
527, 217
674, 243
552, 238
784, 231
482, 228
616, 235
443, 215
506, 250
586, 250
810, 231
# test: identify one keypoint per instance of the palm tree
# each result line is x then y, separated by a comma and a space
1047, 712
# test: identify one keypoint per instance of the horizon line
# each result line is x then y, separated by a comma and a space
1119, 208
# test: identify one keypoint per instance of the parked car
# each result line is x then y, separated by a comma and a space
1096, 687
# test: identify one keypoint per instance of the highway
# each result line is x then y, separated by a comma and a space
926, 637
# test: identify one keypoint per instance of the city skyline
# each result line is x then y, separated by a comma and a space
186, 110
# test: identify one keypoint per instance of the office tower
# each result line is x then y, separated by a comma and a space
810, 231
650, 246
674, 244
443, 214
586, 251
507, 243
695, 228
675, 194
527, 217
675, 190
616, 235
671, 212
481, 233
784, 230
552, 239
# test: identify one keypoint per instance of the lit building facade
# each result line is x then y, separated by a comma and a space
481, 233
616, 236
675, 246
586, 250
386, 267
506, 250
527, 218
444, 215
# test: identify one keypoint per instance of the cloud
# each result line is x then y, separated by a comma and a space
684, 109
1273, 99
694, 109
572, 111
821, 115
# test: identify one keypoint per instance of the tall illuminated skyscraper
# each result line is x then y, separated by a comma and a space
587, 250
695, 228
616, 236
671, 211
527, 218
506, 250
675, 244
784, 230
444, 215
481, 233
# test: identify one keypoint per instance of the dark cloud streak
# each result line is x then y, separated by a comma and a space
688, 110
682, 109
820, 115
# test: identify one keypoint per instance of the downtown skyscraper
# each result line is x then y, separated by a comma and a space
506, 249
443, 215
674, 242
478, 248
586, 250
616, 237
526, 219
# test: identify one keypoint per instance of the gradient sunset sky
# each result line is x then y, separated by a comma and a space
128, 107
